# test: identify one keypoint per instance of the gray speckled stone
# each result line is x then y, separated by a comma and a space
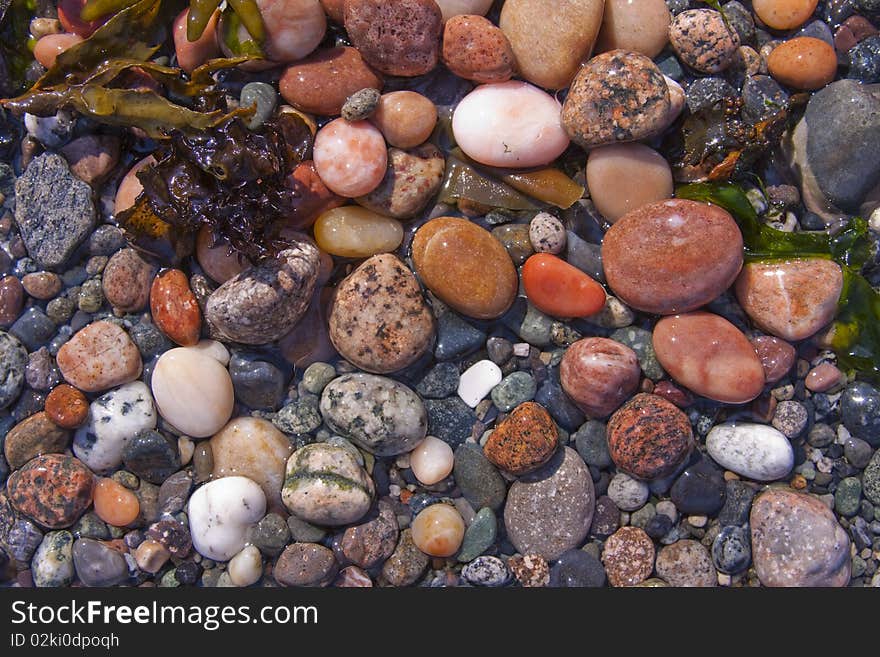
592, 444
52, 565
13, 361
479, 536
640, 341
479, 481
514, 389
450, 420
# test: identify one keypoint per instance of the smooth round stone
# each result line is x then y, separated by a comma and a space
628, 494
452, 256
54, 490
126, 281
804, 63
450, 8
823, 377
509, 124
628, 556
34, 435
322, 82
617, 96
474, 49
797, 541
192, 54
155, 457
66, 406
438, 530
791, 299
702, 39
549, 511
379, 320
97, 564
523, 441
294, 28
577, 569
305, 564
355, 232
624, 177
379, 414
115, 504
649, 437
350, 157
193, 391
52, 565
252, 448
672, 256
325, 485
477, 381
732, 550
551, 44
547, 234
860, 411
756, 451
641, 27
710, 356
557, 288
700, 489
114, 419
98, 357
47, 49
686, 563
405, 118
784, 14
174, 307
220, 514
413, 178
599, 374
777, 356
216, 257
246, 567
486, 571
431, 461
42, 285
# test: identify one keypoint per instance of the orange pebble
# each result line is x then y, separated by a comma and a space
784, 14
405, 118
115, 504
50, 46
804, 63
66, 406
557, 288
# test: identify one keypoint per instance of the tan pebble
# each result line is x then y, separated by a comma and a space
624, 177
151, 555
474, 49
431, 460
635, 26
438, 530
98, 357
784, 14
405, 118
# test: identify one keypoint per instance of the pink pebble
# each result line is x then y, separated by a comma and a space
350, 157
777, 356
823, 377
52, 45
192, 54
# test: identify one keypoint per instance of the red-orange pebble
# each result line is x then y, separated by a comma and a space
557, 288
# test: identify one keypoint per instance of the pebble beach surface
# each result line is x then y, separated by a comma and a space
485, 343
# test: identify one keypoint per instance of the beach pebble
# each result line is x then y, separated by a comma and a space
192, 54
305, 564
438, 530
509, 124
246, 567
11, 300
155, 457
523, 441
98, 357
220, 514
628, 494
777, 357
637, 27
406, 564
628, 556
784, 14
115, 504
475, 49
405, 118
477, 381
355, 232
54, 490
126, 281
559, 289
599, 375
756, 451
66, 406
431, 460
193, 391
174, 307
97, 564
216, 257
350, 157
702, 39
823, 377
130, 187
52, 565
710, 356
547, 234
611, 171
686, 563
33, 436
486, 571
411, 181
48, 47
450, 8
371, 542
804, 63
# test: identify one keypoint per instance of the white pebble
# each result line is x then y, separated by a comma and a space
477, 381
667, 508
547, 234
220, 513
627, 493
756, 451
431, 461
521, 349
246, 567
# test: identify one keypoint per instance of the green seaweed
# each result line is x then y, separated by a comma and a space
856, 329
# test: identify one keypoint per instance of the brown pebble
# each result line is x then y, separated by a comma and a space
67, 407
628, 556
804, 63
475, 49
126, 281
42, 285
524, 440
11, 300
777, 356
599, 374
405, 118
32, 437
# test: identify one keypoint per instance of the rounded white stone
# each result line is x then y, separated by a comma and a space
193, 391
214, 349
220, 513
510, 124
431, 461
477, 381
627, 493
246, 567
114, 418
756, 451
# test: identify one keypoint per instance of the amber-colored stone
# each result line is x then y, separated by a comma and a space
784, 14
54, 490
556, 288
33, 436
599, 374
791, 299
115, 504
465, 266
641, 27
524, 440
475, 49
67, 407
777, 356
803, 63
672, 256
648, 437
405, 118
709, 355
175, 308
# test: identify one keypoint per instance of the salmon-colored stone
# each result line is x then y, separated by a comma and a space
709, 355
66, 406
672, 256
465, 267
649, 437
54, 490
823, 377
474, 49
599, 374
115, 504
791, 299
320, 83
804, 63
130, 187
784, 14
175, 309
672, 393
624, 177
47, 49
556, 288
405, 118
641, 27
524, 440
99, 357
777, 356
192, 54
350, 157
69, 15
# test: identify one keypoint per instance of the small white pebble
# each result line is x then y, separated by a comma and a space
697, 521
246, 567
724, 580
477, 382
521, 349
394, 489
431, 460
874, 221
843, 435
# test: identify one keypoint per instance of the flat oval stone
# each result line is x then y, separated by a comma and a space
599, 374
709, 355
379, 320
509, 124
405, 118
784, 14
474, 49
549, 510
126, 280
557, 288
797, 541
777, 357
616, 96
54, 490
614, 170
411, 181
672, 256
98, 357
641, 27
174, 307
791, 299
551, 44
649, 437
379, 414
355, 232
524, 440
702, 39
756, 451
31, 437
465, 267
628, 556
686, 563
805, 63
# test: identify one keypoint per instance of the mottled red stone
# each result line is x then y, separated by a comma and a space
628, 556
475, 49
777, 356
649, 437
524, 440
599, 374
11, 300
66, 406
672, 393
175, 309
54, 490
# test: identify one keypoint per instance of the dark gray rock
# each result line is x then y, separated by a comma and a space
151, 456
732, 550
864, 60
860, 411
551, 396
257, 383
591, 443
455, 337
450, 420
577, 569
479, 481
98, 565
703, 93
737, 503
700, 489
762, 97
13, 361
33, 328
440, 381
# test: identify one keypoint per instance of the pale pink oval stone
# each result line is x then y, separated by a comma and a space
130, 187
823, 377
52, 45
350, 157
294, 28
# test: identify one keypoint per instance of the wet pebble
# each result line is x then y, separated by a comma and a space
702, 39
628, 557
